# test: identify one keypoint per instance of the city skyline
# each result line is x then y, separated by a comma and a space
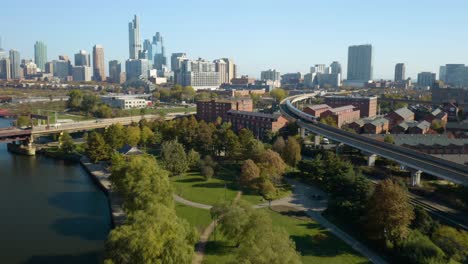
285, 46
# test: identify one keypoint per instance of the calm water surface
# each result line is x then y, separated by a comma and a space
50, 211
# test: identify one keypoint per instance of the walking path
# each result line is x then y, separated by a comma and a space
201, 245
300, 200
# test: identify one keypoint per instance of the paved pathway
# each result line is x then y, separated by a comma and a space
313, 202
201, 245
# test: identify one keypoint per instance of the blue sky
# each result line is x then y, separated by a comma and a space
258, 34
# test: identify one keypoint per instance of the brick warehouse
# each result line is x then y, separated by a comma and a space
366, 105
258, 123
210, 110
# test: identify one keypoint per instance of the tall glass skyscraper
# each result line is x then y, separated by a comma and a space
82, 58
3, 53
15, 61
160, 60
99, 68
134, 38
360, 63
40, 55
148, 47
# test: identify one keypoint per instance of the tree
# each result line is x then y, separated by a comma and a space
75, 98
423, 222
174, 157
272, 166
453, 242
419, 249
279, 145
207, 172
155, 235
292, 152
66, 143
23, 121
389, 139
115, 136
140, 182
103, 111
329, 120
267, 189
193, 159
389, 213
133, 135
204, 138
250, 173
147, 136
278, 94
90, 103
254, 150
96, 147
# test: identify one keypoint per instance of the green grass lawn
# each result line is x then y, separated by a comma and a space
328, 250
194, 187
198, 218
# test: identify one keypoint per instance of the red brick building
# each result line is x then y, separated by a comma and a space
258, 123
209, 111
398, 116
342, 115
316, 110
377, 126
366, 105
421, 128
437, 115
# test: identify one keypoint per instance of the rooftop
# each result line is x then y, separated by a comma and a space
319, 106
404, 112
342, 108
256, 114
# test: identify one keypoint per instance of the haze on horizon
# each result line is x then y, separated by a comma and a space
258, 35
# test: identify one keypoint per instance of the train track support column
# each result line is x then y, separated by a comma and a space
371, 160
415, 177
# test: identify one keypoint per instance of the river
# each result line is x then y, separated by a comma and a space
50, 211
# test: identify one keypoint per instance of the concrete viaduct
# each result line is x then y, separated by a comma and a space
416, 161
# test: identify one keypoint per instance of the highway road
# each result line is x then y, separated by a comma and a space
412, 159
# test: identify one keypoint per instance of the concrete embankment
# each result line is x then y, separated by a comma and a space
101, 176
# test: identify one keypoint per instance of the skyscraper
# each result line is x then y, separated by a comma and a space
442, 73
99, 69
148, 47
5, 68
400, 69
335, 67
115, 68
15, 63
82, 58
456, 75
231, 69
136, 69
81, 73
134, 38
3, 53
426, 79
360, 63
220, 66
40, 55
176, 65
270, 75
160, 60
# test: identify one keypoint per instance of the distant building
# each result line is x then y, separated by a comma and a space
367, 106
61, 69
15, 62
124, 102
160, 59
136, 69
99, 68
40, 55
456, 75
231, 69
360, 63
49, 67
29, 70
3, 53
442, 73
243, 80
437, 115
292, 80
426, 79
5, 68
376, 126
82, 58
210, 110
259, 123
134, 38
81, 73
115, 69
442, 95
400, 69
221, 68
398, 116
316, 110
336, 68
421, 128
199, 74
176, 65
271, 75
342, 115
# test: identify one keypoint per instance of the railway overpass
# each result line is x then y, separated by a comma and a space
417, 162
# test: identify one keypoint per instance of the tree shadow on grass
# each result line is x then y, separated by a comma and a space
89, 257
210, 185
86, 228
189, 180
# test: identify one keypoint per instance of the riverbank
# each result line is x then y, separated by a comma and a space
101, 176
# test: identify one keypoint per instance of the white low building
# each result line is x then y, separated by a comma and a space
125, 102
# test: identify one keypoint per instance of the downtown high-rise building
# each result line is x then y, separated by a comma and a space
231, 69
176, 65
456, 75
134, 38
221, 68
442, 73
5, 68
270, 75
81, 73
115, 69
99, 68
199, 74
40, 55
426, 79
160, 59
400, 72
360, 63
335, 68
136, 69
148, 48
15, 63
82, 58
3, 53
